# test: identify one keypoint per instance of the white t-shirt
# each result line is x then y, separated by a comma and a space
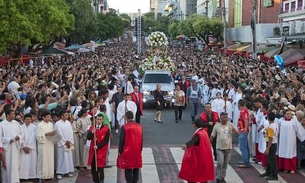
272, 131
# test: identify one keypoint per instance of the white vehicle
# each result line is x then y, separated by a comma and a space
149, 82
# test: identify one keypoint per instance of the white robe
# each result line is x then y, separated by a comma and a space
64, 155
130, 106
261, 138
45, 149
8, 131
289, 131
218, 106
258, 117
236, 98
205, 94
228, 109
28, 162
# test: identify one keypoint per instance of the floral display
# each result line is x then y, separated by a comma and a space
158, 59
157, 39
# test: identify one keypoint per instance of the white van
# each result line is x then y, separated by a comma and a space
149, 82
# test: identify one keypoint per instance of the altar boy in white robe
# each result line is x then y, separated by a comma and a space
228, 106
64, 146
11, 139
28, 153
218, 104
123, 107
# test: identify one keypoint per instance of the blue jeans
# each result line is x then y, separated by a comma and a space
194, 109
244, 148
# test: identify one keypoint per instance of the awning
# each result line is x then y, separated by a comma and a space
262, 48
276, 51
243, 48
234, 47
53, 51
291, 56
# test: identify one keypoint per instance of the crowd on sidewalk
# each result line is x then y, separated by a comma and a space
47, 108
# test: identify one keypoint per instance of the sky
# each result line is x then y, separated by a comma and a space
129, 6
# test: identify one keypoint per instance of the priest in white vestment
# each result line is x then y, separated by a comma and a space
45, 147
64, 146
236, 98
218, 104
289, 130
28, 154
227, 106
11, 139
123, 107
262, 144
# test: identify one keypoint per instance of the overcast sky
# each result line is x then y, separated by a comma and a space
129, 6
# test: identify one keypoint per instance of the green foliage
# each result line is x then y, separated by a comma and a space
151, 24
199, 26
85, 21
28, 21
126, 20
109, 25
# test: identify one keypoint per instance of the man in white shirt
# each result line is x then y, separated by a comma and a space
64, 146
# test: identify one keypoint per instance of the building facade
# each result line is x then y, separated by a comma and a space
187, 7
160, 8
292, 18
172, 9
152, 5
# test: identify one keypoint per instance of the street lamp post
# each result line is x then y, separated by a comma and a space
224, 19
207, 7
253, 27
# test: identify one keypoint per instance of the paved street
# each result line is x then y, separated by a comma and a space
162, 156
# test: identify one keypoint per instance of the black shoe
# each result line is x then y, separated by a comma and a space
176, 120
264, 174
224, 181
218, 181
108, 166
271, 178
254, 159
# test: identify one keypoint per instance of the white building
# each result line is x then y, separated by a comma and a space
160, 8
187, 7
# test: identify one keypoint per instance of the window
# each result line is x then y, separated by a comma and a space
158, 78
268, 3
292, 7
300, 4
286, 7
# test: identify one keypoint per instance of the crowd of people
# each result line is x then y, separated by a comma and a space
49, 106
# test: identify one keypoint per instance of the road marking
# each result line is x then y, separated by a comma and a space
260, 169
149, 169
177, 153
111, 173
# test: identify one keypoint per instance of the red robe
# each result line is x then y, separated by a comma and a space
184, 86
138, 103
101, 152
204, 119
197, 163
131, 156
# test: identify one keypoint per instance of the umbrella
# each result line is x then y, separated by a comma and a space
74, 47
83, 50
53, 51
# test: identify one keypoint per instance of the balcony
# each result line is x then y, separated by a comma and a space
170, 4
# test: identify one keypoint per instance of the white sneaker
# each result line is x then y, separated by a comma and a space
117, 131
69, 175
59, 177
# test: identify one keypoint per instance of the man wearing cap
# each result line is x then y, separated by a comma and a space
193, 98
64, 146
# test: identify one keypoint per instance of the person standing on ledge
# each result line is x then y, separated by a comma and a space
130, 149
197, 163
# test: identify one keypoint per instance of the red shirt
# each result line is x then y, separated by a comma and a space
243, 116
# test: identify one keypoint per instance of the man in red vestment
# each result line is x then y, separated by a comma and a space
197, 163
137, 97
209, 119
98, 149
130, 149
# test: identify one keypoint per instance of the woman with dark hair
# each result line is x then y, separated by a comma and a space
158, 95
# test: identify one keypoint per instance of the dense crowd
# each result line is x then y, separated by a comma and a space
40, 97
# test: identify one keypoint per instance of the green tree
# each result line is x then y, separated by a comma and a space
173, 28
109, 25
28, 22
85, 28
126, 20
